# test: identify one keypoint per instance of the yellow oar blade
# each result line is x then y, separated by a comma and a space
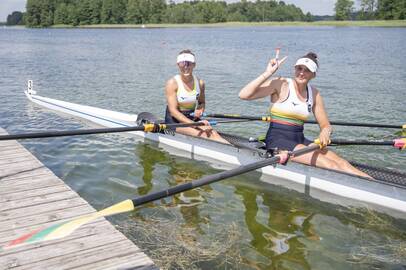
66, 228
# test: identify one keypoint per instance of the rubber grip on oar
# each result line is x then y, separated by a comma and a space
400, 143
317, 141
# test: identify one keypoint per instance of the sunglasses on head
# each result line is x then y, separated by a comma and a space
185, 63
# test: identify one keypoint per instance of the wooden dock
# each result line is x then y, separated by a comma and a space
32, 197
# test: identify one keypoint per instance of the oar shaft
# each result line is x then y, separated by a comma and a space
336, 123
217, 177
66, 228
351, 124
62, 133
49, 134
361, 142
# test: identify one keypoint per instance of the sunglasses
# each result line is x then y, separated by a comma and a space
185, 63
302, 69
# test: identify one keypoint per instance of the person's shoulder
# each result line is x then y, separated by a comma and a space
279, 80
315, 90
172, 83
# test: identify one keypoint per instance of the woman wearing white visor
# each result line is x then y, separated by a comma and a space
185, 95
292, 102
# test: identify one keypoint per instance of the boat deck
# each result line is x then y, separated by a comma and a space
32, 197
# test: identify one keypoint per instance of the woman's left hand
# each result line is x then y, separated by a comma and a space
198, 113
324, 136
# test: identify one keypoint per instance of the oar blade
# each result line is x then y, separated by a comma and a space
66, 228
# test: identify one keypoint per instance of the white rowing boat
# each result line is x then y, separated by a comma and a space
387, 193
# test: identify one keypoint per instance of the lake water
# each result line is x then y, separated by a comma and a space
237, 223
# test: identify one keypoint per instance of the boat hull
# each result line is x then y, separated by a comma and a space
315, 182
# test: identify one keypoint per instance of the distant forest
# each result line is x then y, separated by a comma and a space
45, 13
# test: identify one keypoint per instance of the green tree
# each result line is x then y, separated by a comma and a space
368, 8
343, 9
15, 18
392, 9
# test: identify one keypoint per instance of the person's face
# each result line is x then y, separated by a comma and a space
303, 74
186, 67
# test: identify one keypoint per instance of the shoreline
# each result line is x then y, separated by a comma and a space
375, 23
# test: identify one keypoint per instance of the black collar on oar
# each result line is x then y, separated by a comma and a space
66, 228
268, 119
150, 127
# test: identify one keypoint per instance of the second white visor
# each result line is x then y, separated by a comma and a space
309, 63
185, 57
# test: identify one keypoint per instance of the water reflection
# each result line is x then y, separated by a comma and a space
179, 172
278, 228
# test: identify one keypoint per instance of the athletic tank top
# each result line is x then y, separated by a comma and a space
292, 111
187, 99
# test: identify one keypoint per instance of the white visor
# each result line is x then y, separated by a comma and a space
309, 63
185, 57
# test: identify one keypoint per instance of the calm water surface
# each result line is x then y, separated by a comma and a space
237, 223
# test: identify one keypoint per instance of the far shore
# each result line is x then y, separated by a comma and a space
375, 23
380, 23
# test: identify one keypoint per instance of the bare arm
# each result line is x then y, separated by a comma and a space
261, 86
170, 91
322, 119
201, 101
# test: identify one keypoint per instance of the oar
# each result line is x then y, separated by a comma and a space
397, 143
337, 123
66, 228
145, 127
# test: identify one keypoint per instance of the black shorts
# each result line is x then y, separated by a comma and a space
285, 137
171, 120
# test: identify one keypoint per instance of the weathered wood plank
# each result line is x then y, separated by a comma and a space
29, 183
29, 201
36, 210
32, 197
33, 193
27, 175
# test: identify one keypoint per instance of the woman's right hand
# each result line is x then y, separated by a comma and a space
273, 65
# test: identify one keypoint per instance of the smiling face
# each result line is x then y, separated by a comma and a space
303, 75
186, 68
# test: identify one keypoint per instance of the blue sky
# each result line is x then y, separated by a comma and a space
316, 7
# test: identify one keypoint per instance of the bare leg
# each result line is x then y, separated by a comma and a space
204, 133
325, 158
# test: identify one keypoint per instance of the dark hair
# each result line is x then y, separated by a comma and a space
312, 56
187, 51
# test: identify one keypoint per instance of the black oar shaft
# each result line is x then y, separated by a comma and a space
361, 142
62, 133
351, 124
336, 123
216, 177
48, 134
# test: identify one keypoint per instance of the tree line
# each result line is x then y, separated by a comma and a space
44, 13
371, 10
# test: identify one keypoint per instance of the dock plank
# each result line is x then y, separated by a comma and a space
32, 197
